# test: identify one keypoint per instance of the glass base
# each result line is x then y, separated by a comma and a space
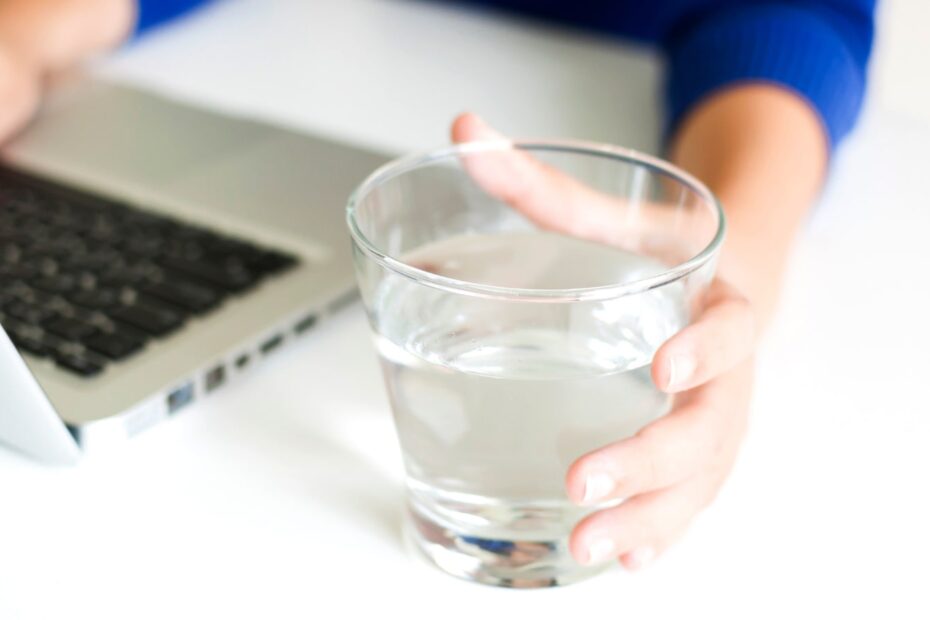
505, 563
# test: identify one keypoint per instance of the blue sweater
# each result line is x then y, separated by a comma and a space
816, 48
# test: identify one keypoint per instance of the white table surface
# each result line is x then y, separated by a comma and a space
280, 496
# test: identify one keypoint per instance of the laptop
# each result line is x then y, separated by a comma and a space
150, 253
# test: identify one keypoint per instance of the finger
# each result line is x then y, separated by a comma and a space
19, 96
556, 201
642, 527
641, 556
548, 197
723, 336
662, 454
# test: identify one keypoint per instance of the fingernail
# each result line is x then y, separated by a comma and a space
639, 558
681, 368
600, 551
597, 486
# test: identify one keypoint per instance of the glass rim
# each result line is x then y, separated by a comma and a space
411, 162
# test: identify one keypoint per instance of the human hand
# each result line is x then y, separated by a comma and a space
672, 468
20, 83
39, 38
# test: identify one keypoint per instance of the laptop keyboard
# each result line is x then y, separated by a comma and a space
86, 281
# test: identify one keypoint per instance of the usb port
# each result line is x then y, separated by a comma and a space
304, 324
271, 344
180, 397
242, 361
214, 378
343, 301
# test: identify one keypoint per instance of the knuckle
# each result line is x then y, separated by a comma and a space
738, 300
649, 436
723, 436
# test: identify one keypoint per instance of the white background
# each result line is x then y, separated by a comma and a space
279, 497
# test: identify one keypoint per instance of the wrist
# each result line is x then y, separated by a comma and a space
762, 151
756, 250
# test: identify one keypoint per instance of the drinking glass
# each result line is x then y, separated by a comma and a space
517, 292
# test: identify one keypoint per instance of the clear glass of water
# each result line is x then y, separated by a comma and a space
517, 293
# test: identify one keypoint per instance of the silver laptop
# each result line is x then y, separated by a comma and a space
151, 252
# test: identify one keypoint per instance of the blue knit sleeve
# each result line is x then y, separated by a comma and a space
818, 49
153, 12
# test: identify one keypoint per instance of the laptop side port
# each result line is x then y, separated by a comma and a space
271, 344
180, 397
343, 301
242, 361
75, 433
304, 324
214, 378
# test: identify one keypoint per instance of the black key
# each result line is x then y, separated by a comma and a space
114, 346
78, 364
17, 271
142, 245
253, 260
274, 262
21, 202
101, 223
69, 329
235, 280
96, 299
27, 313
32, 346
11, 236
232, 252
130, 274
17, 330
43, 265
227, 246
183, 249
98, 258
26, 338
153, 319
54, 303
55, 284
195, 234
187, 295
63, 247
150, 223
35, 230
9, 253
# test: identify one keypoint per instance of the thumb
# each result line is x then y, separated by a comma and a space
19, 95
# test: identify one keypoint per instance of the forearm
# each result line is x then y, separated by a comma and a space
56, 34
763, 152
